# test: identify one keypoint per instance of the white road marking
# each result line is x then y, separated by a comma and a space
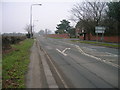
65, 49
104, 60
82, 52
63, 52
79, 49
65, 85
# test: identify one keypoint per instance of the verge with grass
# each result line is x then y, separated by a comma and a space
98, 43
15, 65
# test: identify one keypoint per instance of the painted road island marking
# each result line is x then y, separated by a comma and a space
92, 56
63, 52
82, 52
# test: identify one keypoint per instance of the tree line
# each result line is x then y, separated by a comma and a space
87, 15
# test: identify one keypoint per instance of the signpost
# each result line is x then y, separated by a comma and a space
99, 29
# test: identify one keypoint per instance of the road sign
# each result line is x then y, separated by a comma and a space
99, 29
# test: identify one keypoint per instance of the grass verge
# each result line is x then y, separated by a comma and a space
98, 43
15, 65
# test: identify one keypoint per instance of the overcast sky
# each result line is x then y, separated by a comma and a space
16, 14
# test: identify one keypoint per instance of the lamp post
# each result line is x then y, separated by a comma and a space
33, 28
31, 35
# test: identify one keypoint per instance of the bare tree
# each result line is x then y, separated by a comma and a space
41, 32
27, 28
90, 14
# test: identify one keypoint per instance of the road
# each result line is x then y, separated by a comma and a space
83, 65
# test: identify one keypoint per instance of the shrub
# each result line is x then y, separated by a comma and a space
8, 40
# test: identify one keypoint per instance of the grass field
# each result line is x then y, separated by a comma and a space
15, 65
98, 43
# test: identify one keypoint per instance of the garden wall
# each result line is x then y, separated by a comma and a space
106, 38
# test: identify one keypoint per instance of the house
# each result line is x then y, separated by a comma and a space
80, 33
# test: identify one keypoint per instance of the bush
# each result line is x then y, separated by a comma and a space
8, 40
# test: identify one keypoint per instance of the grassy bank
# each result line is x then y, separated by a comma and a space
15, 65
98, 43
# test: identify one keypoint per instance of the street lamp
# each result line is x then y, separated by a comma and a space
34, 26
31, 18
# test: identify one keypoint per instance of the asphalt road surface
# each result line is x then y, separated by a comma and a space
84, 65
